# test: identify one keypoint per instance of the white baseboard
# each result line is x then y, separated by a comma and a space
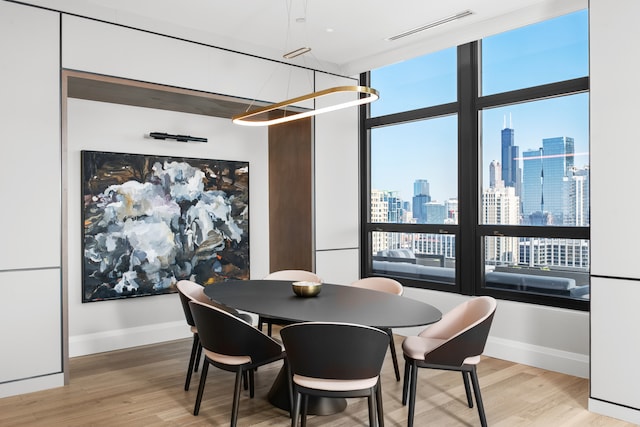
623, 413
29, 385
551, 359
81, 345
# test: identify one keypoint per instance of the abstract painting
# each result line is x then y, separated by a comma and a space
150, 221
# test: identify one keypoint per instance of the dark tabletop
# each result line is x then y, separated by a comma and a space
335, 303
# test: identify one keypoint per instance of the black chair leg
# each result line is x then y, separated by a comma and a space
379, 404
305, 408
371, 400
198, 356
295, 408
203, 379
405, 386
269, 328
394, 356
412, 394
467, 388
476, 391
192, 359
236, 398
252, 388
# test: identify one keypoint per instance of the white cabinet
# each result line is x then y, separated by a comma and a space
615, 285
30, 149
30, 324
30, 188
337, 177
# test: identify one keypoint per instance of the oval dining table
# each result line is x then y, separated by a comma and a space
334, 303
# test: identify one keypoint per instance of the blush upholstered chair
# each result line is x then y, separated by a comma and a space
454, 343
231, 344
191, 291
293, 275
390, 286
335, 360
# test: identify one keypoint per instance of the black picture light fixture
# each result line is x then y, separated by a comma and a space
181, 138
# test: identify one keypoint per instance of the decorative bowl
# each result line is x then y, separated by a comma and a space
306, 289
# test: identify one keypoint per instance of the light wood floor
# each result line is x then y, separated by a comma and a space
144, 387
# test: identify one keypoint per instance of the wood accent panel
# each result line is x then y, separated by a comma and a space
290, 196
96, 87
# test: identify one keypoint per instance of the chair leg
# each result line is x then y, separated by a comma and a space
192, 359
379, 404
260, 323
295, 409
394, 356
290, 385
252, 388
407, 381
305, 408
203, 379
467, 388
236, 398
371, 400
476, 391
198, 356
269, 327
412, 393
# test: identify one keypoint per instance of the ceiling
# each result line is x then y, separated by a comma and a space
346, 36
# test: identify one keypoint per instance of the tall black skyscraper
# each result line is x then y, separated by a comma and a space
511, 174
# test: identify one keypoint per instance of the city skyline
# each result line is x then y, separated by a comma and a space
554, 50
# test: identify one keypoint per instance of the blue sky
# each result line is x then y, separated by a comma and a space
551, 51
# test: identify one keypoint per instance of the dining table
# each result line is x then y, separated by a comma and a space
334, 303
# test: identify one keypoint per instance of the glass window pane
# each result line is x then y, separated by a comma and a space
414, 172
421, 82
547, 266
415, 256
551, 51
535, 160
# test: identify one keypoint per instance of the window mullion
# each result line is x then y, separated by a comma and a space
467, 249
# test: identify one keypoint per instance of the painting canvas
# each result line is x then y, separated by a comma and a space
150, 221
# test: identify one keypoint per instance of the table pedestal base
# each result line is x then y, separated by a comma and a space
279, 397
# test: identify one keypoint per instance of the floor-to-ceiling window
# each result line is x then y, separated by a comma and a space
476, 176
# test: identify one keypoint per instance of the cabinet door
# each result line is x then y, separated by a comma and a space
30, 324
30, 178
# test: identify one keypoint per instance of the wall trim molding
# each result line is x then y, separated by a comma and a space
551, 359
616, 411
30, 385
117, 339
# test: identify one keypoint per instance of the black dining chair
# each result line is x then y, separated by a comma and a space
231, 344
191, 291
390, 286
293, 275
335, 360
455, 343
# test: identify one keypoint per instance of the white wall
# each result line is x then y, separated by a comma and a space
615, 284
336, 195
99, 126
30, 264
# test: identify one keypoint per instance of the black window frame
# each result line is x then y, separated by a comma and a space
469, 232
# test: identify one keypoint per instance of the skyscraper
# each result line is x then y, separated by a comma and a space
557, 164
420, 199
510, 158
546, 180
500, 205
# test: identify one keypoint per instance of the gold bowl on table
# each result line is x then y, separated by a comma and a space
306, 289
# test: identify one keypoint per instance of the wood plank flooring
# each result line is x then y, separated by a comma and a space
144, 387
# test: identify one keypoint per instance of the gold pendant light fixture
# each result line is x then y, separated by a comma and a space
279, 112
262, 116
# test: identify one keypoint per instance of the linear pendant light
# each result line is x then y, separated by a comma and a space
243, 119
